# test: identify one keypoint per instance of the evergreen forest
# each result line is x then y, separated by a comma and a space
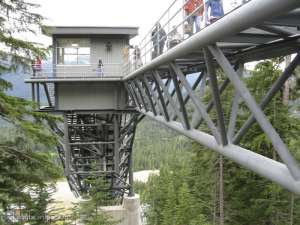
195, 186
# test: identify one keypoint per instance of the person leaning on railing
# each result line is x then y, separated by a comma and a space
194, 11
36, 66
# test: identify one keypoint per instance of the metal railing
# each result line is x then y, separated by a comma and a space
77, 71
172, 28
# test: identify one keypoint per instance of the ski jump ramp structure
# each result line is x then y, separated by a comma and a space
101, 107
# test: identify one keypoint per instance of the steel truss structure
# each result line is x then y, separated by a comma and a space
170, 89
98, 146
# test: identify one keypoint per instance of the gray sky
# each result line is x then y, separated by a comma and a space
140, 13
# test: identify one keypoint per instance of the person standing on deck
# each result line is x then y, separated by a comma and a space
100, 68
126, 63
194, 11
213, 11
158, 38
137, 57
37, 67
174, 38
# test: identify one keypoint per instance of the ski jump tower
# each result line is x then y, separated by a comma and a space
84, 85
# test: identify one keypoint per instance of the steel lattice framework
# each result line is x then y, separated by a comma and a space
170, 89
167, 91
98, 145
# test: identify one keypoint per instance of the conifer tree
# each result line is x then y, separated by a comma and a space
17, 21
23, 163
89, 210
248, 198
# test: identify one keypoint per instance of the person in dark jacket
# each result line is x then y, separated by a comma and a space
158, 38
100, 68
213, 10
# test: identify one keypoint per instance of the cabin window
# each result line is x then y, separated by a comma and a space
73, 52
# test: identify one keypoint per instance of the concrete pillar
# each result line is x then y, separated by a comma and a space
133, 208
128, 214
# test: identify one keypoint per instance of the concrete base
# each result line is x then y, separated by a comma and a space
128, 214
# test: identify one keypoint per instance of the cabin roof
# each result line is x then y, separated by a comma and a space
129, 32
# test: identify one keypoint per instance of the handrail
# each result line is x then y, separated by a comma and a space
235, 21
184, 19
77, 70
158, 20
143, 47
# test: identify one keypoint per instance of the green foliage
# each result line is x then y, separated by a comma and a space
37, 208
89, 210
171, 200
26, 144
17, 17
161, 146
186, 192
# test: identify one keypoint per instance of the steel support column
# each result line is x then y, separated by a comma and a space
67, 147
116, 143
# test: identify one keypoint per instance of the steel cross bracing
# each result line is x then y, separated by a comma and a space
98, 145
171, 89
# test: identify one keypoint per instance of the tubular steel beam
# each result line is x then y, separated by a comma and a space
141, 94
201, 78
198, 121
197, 102
181, 102
67, 147
233, 23
216, 95
33, 91
268, 97
38, 97
47, 94
130, 158
156, 101
147, 92
161, 99
132, 94
169, 97
234, 108
268, 168
257, 112
139, 97
274, 30
116, 143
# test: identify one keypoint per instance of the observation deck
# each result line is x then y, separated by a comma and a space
166, 77
86, 70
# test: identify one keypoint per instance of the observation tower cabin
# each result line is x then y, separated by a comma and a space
86, 70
